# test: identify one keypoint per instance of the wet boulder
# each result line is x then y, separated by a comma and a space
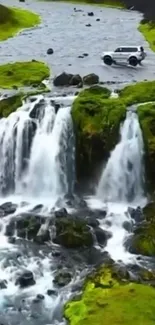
90, 14
62, 278
38, 109
26, 279
50, 51
91, 79
62, 80
136, 214
3, 284
61, 213
75, 80
102, 236
72, 232
128, 226
7, 208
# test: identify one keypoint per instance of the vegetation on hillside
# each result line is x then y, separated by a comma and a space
21, 74
12, 20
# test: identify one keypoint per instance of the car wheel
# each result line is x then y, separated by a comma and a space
133, 61
107, 60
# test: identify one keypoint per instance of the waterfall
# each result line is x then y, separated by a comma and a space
37, 150
123, 177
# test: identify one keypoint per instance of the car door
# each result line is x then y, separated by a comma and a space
118, 54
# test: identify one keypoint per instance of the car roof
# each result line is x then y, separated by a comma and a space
129, 46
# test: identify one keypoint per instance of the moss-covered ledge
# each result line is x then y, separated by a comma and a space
109, 298
23, 74
147, 28
97, 119
12, 20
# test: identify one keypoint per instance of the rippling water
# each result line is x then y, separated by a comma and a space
64, 30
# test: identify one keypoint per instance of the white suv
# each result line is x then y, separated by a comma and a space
132, 55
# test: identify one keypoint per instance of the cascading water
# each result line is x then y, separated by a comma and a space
121, 184
123, 178
37, 151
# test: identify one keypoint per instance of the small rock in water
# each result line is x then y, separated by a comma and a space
90, 13
101, 236
88, 25
3, 284
61, 213
62, 278
85, 54
50, 51
98, 19
37, 208
92, 222
26, 279
8, 207
51, 292
40, 297
127, 225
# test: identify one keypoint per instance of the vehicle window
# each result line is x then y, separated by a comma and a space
118, 49
129, 49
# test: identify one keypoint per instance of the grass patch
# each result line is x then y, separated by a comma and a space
12, 20
140, 92
148, 30
21, 74
9, 105
110, 302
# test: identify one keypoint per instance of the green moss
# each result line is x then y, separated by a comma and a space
21, 74
148, 30
140, 92
9, 105
97, 120
146, 114
12, 20
118, 304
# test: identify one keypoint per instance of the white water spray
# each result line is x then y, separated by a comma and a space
122, 179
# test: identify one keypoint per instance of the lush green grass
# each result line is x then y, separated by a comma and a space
107, 301
21, 74
12, 20
9, 105
148, 30
140, 92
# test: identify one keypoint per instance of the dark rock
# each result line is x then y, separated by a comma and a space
136, 214
76, 79
98, 19
10, 229
8, 208
76, 93
62, 80
85, 54
50, 51
12, 240
121, 272
80, 85
128, 226
56, 253
51, 292
40, 297
26, 279
43, 237
2, 213
61, 213
37, 208
27, 226
62, 278
92, 222
72, 233
80, 56
57, 106
3, 284
38, 109
21, 0
101, 236
88, 25
90, 13
91, 79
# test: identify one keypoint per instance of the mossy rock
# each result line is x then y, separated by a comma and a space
140, 92
146, 114
72, 233
143, 241
97, 120
114, 304
9, 105
12, 20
